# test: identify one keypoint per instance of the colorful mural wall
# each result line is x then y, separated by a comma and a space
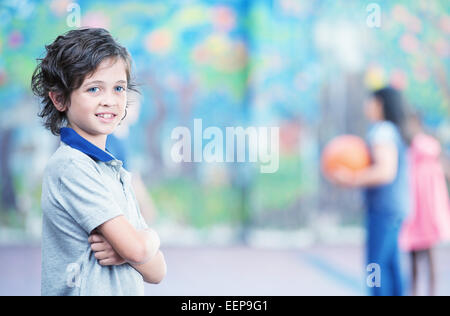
284, 63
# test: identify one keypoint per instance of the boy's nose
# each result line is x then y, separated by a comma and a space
109, 100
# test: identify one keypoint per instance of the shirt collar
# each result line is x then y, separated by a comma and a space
74, 140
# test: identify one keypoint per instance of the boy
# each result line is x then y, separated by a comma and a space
94, 239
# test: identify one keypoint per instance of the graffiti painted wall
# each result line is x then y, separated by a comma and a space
304, 66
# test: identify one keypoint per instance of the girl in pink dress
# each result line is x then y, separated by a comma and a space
429, 221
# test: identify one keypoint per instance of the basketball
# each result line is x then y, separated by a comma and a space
346, 151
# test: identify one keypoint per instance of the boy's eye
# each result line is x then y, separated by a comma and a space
120, 89
93, 89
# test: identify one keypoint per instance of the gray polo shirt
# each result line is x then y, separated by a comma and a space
83, 187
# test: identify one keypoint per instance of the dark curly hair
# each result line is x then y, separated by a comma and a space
69, 59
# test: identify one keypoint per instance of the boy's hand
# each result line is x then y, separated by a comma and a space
103, 251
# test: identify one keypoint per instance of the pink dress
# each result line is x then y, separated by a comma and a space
429, 221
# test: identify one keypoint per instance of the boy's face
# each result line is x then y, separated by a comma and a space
98, 106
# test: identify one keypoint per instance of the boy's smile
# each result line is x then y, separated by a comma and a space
98, 106
106, 117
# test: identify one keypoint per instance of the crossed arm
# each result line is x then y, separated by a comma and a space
117, 242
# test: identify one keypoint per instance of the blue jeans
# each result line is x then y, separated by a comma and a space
382, 248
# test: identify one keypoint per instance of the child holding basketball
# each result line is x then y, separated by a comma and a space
94, 239
386, 187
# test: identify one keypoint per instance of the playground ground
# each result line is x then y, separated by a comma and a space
236, 271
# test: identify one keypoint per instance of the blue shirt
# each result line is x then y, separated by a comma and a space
83, 187
392, 198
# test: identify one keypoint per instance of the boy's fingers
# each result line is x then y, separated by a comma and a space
106, 262
101, 255
98, 246
95, 238
101, 246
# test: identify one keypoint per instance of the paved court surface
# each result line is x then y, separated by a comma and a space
321, 270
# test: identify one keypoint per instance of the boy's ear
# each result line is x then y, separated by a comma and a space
56, 99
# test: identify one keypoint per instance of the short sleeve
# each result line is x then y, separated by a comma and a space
383, 133
85, 197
